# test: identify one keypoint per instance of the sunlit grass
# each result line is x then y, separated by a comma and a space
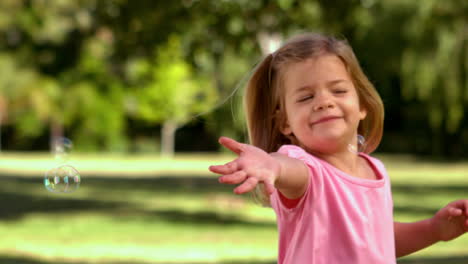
112, 164
92, 237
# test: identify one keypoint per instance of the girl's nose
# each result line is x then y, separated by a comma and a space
323, 102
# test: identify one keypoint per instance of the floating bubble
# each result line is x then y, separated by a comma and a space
62, 148
361, 144
63, 179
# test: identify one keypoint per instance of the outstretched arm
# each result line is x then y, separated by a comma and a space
254, 166
448, 223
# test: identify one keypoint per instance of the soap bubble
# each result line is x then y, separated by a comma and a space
63, 179
61, 148
361, 144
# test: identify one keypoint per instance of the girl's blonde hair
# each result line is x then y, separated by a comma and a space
264, 100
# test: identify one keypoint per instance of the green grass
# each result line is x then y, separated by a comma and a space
150, 210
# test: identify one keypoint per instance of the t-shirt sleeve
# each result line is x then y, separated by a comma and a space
312, 187
383, 171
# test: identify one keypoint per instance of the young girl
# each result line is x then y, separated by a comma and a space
306, 104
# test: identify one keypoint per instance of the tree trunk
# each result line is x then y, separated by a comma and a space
56, 133
168, 138
2, 117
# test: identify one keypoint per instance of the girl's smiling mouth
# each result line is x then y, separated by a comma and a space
325, 119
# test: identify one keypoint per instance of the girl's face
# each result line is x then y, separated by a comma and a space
322, 105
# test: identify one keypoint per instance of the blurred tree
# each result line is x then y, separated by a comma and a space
435, 67
167, 91
26, 97
93, 100
35, 35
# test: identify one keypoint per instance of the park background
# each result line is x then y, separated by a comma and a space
144, 88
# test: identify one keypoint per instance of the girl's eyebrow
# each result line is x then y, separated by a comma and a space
330, 83
311, 86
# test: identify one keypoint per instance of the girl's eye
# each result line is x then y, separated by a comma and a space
340, 91
305, 98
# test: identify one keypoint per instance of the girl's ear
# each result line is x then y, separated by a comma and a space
284, 126
362, 113
286, 129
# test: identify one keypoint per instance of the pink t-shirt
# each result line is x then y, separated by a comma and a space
341, 219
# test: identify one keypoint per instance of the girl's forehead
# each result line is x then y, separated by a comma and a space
311, 72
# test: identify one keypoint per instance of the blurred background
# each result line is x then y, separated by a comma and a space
144, 89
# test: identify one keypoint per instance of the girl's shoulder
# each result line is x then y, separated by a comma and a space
297, 152
294, 151
291, 150
374, 161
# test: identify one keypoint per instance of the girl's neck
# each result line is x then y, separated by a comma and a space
344, 161
351, 163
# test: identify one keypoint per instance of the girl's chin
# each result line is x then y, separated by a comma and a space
321, 147
331, 145
327, 138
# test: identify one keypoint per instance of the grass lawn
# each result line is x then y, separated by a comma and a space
150, 210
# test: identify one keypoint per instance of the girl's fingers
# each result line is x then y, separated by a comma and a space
459, 207
270, 188
227, 168
216, 168
455, 212
234, 178
465, 207
247, 186
232, 145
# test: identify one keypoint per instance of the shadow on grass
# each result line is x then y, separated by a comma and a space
435, 260
207, 218
175, 183
25, 260
422, 189
165, 184
24, 195
419, 192
21, 196
201, 185
16, 205
419, 211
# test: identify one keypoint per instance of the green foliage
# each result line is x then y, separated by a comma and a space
101, 124
93, 97
166, 87
434, 63
228, 117
30, 97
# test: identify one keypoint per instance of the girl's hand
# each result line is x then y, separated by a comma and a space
451, 221
253, 166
